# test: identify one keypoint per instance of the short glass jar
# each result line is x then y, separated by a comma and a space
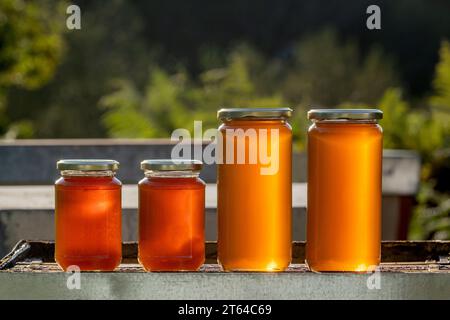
88, 227
171, 216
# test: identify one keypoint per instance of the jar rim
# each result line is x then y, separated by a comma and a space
254, 113
87, 165
171, 165
345, 114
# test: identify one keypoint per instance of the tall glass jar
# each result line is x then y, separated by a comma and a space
344, 189
88, 215
254, 189
171, 216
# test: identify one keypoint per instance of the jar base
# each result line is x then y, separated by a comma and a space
240, 266
334, 266
90, 263
171, 264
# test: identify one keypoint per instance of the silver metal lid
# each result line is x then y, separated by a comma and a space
349, 114
254, 113
87, 165
171, 165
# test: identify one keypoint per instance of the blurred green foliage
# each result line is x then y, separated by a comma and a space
290, 61
30, 35
108, 46
321, 71
30, 49
427, 130
171, 101
326, 71
407, 128
431, 218
432, 215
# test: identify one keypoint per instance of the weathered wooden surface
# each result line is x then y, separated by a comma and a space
427, 277
400, 252
37, 267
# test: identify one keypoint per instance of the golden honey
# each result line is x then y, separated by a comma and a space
344, 190
171, 216
254, 195
88, 215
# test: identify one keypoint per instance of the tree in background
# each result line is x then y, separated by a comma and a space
426, 130
109, 46
30, 50
432, 215
326, 72
321, 72
440, 101
171, 101
122, 39
156, 112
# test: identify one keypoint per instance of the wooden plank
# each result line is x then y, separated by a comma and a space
392, 252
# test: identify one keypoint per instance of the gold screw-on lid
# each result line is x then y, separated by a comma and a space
254, 113
171, 165
345, 114
87, 165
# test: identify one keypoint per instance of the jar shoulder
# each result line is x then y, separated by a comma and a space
188, 183
344, 127
281, 125
88, 181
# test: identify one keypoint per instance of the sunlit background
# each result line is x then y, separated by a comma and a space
140, 69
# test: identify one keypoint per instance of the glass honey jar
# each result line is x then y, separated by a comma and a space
88, 229
171, 216
254, 189
344, 190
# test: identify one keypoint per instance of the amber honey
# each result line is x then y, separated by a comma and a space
88, 215
254, 207
344, 190
171, 216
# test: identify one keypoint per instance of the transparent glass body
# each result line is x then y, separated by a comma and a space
171, 221
344, 195
88, 230
254, 209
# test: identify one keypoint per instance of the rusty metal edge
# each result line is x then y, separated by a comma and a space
391, 251
20, 251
